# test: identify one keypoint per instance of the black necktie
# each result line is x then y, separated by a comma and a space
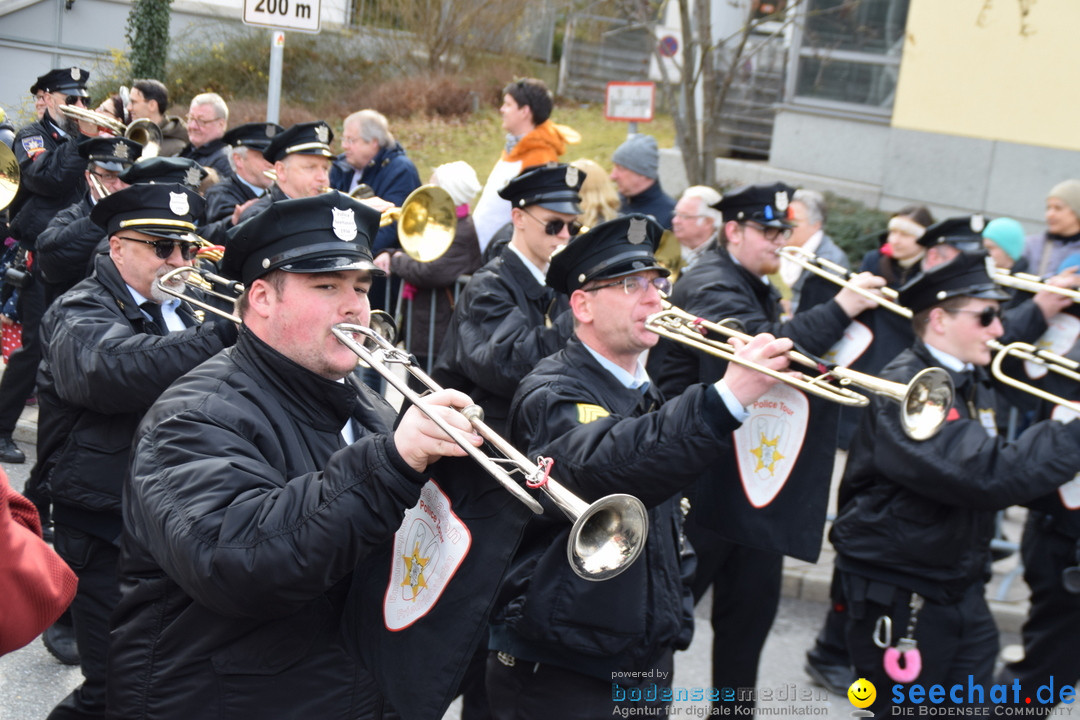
153, 309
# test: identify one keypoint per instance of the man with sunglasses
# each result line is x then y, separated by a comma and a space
915, 519
730, 281
507, 319
562, 646
110, 346
51, 172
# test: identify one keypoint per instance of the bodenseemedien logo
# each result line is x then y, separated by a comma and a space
862, 694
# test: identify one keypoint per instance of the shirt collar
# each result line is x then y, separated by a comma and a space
949, 362
639, 378
254, 188
537, 273
137, 296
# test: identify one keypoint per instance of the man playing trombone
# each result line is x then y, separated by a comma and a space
570, 648
915, 518
260, 481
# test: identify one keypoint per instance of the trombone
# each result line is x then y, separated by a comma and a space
1026, 282
1050, 360
840, 275
205, 280
924, 401
607, 536
142, 131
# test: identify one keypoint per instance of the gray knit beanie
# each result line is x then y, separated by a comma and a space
1068, 192
639, 154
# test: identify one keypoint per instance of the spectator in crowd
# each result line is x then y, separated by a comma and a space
636, 175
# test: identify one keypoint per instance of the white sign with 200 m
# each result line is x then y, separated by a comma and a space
300, 15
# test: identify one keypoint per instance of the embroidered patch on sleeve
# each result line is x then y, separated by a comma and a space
33, 145
587, 413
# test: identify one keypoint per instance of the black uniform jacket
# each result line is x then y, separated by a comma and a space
920, 515
214, 154
504, 323
221, 201
272, 195
50, 179
65, 249
244, 516
103, 365
604, 439
716, 288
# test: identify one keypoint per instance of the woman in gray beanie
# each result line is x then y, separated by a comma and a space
1045, 251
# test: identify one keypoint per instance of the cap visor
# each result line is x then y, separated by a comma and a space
333, 263
566, 207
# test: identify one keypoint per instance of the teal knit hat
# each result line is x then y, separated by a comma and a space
1007, 234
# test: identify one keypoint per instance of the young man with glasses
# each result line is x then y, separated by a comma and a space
110, 346
207, 119
65, 247
506, 319
915, 519
565, 647
730, 281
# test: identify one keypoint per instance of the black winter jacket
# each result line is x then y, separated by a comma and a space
221, 201
51, 178
65, 249
504, 323
214, 154
244, 516
920, 515
103, 365
604, 439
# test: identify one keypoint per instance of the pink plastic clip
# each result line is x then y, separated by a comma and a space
545, 463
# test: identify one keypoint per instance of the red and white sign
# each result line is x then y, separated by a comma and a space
630, 101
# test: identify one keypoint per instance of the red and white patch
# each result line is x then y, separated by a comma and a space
857, 338
1070, 491
429, 547
34, 145
769, 442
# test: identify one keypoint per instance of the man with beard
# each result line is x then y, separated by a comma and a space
109, 347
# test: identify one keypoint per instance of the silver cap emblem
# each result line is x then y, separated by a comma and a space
178, 203
344, 224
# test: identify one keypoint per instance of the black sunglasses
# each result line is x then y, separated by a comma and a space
164, 248
554, 227
986, 316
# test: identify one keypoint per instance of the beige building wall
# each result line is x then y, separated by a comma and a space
982, 69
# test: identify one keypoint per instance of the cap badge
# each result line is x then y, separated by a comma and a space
121, 151
76, 74
345, 224
270, 131
636, 232
571, 176
193, 176
581, 277
977, 223
991, 268
322, 134
178, 203
781, 201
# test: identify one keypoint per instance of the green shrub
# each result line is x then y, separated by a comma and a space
853, 226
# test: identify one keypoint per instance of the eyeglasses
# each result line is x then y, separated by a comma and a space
772, 234
200, 122
554, 227
105, 176
164, 248
688, 217
635, 284
986, 316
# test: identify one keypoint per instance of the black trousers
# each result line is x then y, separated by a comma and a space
95, 563
746, 594
536, 691
830, 647
956, 641
1052, 630
20, 375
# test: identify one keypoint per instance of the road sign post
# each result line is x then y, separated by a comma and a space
630, 102
282, 15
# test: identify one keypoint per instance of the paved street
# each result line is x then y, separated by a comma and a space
31, 681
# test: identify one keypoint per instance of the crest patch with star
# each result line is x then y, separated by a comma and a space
193, 177
322, 134
121, 151
33, 145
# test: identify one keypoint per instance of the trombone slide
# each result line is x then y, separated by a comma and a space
1051, 361
841, 276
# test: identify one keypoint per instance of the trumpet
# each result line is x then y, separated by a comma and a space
1050, 360
1026, 282
106, 122
841, 276
924, 401
606, 537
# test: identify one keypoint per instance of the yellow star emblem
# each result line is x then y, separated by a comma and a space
767, 455
414, 571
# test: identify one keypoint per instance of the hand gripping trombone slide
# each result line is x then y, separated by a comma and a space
924, 402
607, 536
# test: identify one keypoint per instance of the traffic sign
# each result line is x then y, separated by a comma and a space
300, 15
630, 101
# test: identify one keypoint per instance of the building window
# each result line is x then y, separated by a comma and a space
849, 53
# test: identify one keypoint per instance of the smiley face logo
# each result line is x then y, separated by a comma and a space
862, 693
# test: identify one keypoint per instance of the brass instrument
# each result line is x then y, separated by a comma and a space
924, 402
427, 222
840, 275
607, 536
205, 281
9, 176
142, 131
1026, 282
1050, 360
